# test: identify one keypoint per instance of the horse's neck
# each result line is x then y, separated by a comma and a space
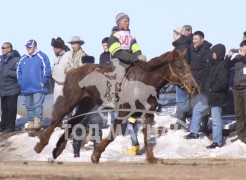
156, 70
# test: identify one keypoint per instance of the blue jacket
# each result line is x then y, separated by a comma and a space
32, 71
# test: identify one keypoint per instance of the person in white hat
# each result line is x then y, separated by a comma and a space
77, 54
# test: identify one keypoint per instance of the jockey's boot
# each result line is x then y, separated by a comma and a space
37, 124
135, 150
76, 147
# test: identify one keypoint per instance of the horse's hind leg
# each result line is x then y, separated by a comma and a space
147, 139
105, 142
60, 110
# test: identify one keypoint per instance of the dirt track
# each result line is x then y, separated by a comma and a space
170, 169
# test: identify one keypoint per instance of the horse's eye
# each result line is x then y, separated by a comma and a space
179, 65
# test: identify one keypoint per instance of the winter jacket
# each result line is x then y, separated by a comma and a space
105, 59
32, 71
215, 84
123, 45
8, 77
189, 39
200, 60
239, 66
181, 44
61, 63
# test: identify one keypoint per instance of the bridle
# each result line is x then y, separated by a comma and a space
182, 84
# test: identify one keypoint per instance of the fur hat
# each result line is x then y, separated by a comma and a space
57, 43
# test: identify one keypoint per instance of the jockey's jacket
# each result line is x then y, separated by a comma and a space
123, 45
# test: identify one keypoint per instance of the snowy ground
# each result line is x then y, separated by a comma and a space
170, 145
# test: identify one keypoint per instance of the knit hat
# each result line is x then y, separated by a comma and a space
120, 17
180, 30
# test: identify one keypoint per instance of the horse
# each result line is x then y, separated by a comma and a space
104, 85
170, 67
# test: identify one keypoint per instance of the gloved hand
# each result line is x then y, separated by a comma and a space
142, 58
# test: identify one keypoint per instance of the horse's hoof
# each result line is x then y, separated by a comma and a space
152, 160
94, 159
39, 147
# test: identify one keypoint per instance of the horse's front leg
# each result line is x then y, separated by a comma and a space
105, 142
147, 138
58, 114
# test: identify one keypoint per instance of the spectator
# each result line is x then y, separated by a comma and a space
78, 53
9, 88
33, 75
62, 58
201, 57
105, 56
214, 92
181, 43
239, 89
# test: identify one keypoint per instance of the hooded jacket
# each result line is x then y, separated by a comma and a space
32, 71
215, 84
8, 77
199, 62
123, 45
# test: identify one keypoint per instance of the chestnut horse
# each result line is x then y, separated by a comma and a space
170, 67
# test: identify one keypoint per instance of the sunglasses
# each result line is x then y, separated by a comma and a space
4, 48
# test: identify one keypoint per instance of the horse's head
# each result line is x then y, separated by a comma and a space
179, 72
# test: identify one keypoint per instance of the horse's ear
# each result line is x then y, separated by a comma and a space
184, 52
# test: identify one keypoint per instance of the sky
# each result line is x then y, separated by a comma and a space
151, 22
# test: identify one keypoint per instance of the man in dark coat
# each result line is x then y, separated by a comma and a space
213, 96
105, 56
239, 89
9, 88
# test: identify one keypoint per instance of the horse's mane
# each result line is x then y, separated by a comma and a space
159, 61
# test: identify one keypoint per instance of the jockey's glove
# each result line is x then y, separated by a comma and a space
142, 58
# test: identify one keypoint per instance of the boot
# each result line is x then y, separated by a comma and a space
192, 136
37, 123
29, 125
135, 150
76, 147
213, 146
